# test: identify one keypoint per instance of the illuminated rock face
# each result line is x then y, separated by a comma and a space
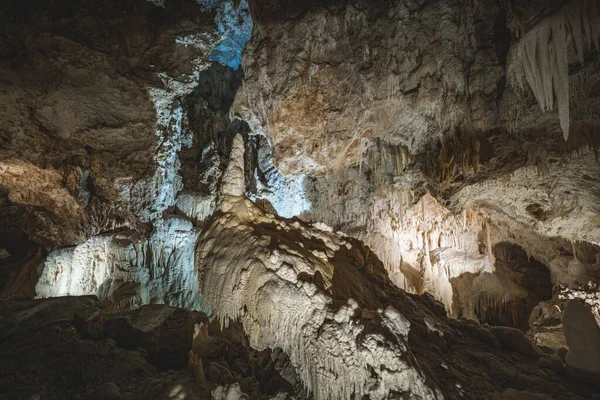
276, 277
393, 130
410, 146
325, 300
128, 270
354, 73
280, 290
150, 257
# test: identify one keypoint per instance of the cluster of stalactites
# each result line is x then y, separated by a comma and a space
459, 154
541, 56
383, 158
487, 306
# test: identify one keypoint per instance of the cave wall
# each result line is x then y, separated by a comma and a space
366, 130
92, 124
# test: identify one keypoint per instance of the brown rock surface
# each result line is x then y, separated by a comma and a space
583, 338
80, 100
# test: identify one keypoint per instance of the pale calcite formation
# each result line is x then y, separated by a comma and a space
541, 56
427, 245
421, 243
233, 177
128, 270
362, 126
563, 195
229, 392
276, 277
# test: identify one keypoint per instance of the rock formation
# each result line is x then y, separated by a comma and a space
583, 338
273, 199
422, 140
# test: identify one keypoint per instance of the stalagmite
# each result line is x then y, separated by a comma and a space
488, 246
282, 294
233, 177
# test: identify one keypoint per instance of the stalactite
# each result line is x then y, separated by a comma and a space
541, 56
488, 245
585, 135
460, 152
384, 159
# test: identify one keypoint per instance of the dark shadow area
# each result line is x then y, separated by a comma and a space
507, 296
207, 109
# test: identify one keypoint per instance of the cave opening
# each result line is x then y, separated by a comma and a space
525, 280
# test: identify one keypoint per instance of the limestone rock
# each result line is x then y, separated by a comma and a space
349, 77
69, 347
513, 394
43, 353
514, 340
128, 269
360, 127
316, 294
583, 338
233, 178
107, 107
373, 146
553, 363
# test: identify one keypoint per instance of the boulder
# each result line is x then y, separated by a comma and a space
164, 332
515, 341
553, 363
108, 391
583, 338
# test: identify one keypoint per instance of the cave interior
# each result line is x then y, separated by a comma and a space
300, 200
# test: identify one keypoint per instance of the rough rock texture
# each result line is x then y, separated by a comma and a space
43, 354
545, 322
424, 129
583, 338
115, 143
92, 123
339, 73
19, 271
128, 269
162, 331
397, 123
326, 301
419, 147
514, 340
71, 348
